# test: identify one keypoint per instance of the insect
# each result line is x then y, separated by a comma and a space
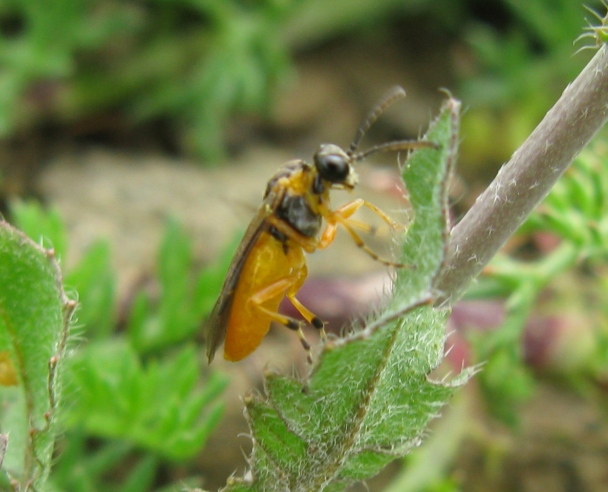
269, 263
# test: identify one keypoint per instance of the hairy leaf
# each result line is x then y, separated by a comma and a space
34, 319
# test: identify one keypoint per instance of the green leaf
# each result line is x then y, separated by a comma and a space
369, 397
34, 323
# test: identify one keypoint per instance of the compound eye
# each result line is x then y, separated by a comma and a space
332, 167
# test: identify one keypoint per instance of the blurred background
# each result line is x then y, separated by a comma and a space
137, 136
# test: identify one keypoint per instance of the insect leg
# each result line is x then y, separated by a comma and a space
345, 212
300, 275
342, 216
270, 292
307, 314
350, 208
372, 229
286, 286
361, 244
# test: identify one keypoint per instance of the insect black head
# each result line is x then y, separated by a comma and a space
333, 164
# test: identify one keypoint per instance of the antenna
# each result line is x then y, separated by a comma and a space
393, 147
393, 94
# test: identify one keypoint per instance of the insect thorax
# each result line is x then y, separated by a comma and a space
294, 210
287, 171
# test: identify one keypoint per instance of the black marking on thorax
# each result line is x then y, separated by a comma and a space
294, 210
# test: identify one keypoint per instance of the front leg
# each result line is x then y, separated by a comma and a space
342, 216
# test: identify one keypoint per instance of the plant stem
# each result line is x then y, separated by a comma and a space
527, 178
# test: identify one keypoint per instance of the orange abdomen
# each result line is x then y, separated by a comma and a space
247, 324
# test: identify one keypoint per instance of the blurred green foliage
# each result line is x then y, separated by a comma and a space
139, 394
519, 71
198, 63
195, 62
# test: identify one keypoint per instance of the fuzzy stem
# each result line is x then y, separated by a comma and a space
526, 179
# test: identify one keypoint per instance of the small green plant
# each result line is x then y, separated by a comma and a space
226, 59
143, 401
155, 404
